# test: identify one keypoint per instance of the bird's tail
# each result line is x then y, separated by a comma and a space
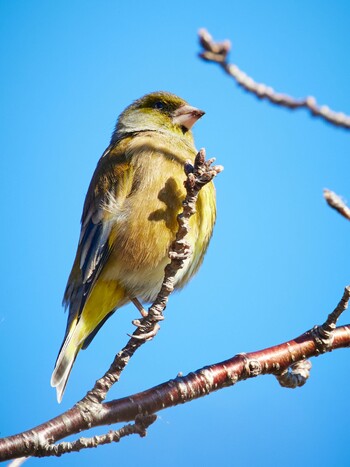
106, 297
66, 357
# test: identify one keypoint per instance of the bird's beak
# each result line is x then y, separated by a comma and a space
187, 116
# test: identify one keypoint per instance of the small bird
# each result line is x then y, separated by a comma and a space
129, 220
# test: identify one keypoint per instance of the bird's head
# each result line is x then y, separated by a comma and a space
158, 111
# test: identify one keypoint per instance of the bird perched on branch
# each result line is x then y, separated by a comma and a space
129, 220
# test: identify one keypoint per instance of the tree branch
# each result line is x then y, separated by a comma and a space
274, 360
217, 52
336, 202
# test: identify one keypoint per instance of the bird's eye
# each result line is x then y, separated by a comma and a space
159, 105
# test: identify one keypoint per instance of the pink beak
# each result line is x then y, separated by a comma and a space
187, 116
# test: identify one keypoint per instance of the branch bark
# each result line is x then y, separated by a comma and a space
336, 202
274, 360
217, 52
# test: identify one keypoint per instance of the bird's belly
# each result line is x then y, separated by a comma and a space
138, 260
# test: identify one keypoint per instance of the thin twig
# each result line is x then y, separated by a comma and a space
324, 334
217, 52
337, 203
113, 436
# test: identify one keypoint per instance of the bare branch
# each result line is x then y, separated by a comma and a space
336, 202
274, 360
217, 52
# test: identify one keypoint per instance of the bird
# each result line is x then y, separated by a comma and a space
129, 220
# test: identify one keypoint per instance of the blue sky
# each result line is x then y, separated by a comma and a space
278, 261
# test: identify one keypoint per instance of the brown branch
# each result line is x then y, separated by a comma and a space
336, 202
274, 360
200, 383
217, 52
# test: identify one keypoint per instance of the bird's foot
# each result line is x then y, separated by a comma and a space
145, 336
147, 327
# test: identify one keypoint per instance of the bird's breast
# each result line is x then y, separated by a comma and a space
146, 222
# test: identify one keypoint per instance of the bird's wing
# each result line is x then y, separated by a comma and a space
108, 188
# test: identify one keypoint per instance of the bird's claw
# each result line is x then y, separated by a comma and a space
147, 336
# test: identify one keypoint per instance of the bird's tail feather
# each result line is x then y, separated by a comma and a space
66, 357
98, 308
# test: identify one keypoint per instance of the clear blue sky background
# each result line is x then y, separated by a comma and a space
278, 260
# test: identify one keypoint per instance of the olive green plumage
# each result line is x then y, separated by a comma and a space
129, 220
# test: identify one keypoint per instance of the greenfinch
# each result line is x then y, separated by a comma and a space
129, 220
